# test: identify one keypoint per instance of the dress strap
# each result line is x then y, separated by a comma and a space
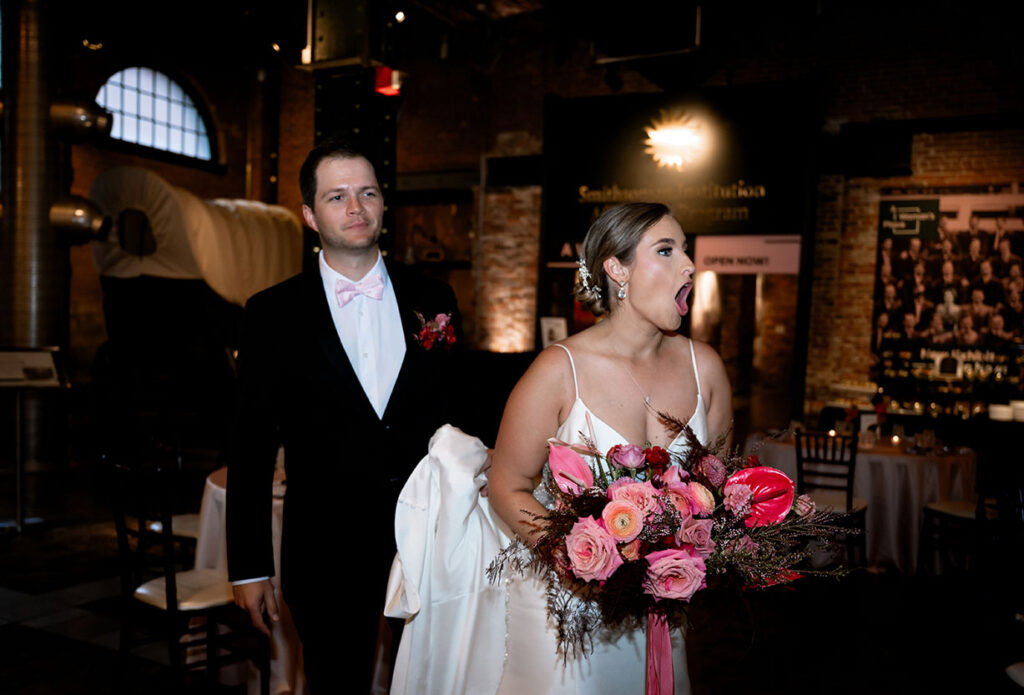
575, 382
696, 374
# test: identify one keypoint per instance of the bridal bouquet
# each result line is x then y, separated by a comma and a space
633, 537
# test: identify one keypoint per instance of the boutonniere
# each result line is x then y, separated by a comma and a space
438, 331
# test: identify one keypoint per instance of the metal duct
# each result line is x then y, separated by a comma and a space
79, 220
35, 265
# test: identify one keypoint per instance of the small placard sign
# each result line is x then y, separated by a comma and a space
740, 255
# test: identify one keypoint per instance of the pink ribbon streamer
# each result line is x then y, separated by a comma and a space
660, 678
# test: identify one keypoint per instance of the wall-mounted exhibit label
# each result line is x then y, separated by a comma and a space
909, 218
775, 253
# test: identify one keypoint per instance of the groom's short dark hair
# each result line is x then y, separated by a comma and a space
331, 148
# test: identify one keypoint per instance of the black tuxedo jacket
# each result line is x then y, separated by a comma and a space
345, 465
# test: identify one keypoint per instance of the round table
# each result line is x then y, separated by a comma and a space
896, 485
286, 675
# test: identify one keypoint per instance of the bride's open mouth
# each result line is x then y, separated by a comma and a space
681, 296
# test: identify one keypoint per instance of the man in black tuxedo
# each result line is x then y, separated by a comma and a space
335, 365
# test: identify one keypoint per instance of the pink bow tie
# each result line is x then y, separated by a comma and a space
372, 287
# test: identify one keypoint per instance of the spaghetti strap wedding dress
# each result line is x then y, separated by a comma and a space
465, 635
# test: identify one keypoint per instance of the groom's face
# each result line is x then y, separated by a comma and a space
348, 208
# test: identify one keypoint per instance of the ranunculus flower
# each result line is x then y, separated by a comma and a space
643, 495
773, 494
656, 456
626, 456
570, 471
702, 502
442, 320
737, 498
677, 573
678, 494
623, 520
712, 470
674, 474
804, 505
592, 550
697, 532
631, 551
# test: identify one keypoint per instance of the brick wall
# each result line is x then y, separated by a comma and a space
505, 262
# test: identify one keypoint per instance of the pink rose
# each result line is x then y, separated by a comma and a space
772, 494
570, 472
678, 495
804, 505
675, 574
674, 474
627, 456
712, 470
623, 519
737, 498
702, 502
697, 532
442, 320
592, 551
643, 495
621, 482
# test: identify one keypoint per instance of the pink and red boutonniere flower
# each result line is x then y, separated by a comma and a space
438, 332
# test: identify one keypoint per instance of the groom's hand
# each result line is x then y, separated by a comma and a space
256, 598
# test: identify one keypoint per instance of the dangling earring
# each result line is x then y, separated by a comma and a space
622, 290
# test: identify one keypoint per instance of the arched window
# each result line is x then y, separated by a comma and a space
153, 110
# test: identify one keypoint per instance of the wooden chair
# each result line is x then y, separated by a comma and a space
825, 466
194, 607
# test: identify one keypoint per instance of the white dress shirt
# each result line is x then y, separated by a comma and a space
371, 333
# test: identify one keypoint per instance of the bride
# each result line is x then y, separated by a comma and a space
607, 382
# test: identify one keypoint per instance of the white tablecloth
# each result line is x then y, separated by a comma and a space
286, 675
896, 486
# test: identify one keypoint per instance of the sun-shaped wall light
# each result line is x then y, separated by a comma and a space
677, 140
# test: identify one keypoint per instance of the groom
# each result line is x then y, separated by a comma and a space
337, 366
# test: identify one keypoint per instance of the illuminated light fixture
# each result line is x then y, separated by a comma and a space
92, 46
277, 49
387, 81
307, 55
676, 140
399, 16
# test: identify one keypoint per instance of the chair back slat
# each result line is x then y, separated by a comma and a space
826, 462
143, 509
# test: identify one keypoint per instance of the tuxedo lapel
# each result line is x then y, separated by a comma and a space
405, 296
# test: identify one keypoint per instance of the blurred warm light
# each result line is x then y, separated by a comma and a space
399, 16
92, 46
277, 49
307, 55
706, 312
676, 140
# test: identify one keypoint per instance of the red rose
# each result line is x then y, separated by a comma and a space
657, 457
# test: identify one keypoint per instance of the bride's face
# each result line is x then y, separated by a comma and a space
661, 275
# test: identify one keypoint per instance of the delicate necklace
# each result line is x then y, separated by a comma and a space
647, 397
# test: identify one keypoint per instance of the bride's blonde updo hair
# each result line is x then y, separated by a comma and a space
616, 233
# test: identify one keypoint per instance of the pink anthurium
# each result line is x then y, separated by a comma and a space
772, 494
570, 471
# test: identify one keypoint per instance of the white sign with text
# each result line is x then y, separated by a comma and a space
769, 253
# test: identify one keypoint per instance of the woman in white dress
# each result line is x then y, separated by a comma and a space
608, 382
